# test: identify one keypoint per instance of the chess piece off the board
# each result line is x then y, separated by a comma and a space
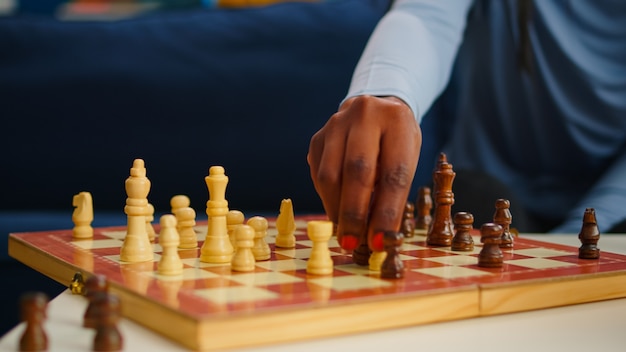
243, 259
33, 306
170, 263
441, 232
490, 255
82, 216
94, 285
286, 225
320, 262
137, 247
185, 221
216, 247
108, 313
589, 236
503, 217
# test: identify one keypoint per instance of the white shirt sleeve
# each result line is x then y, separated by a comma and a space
411, 52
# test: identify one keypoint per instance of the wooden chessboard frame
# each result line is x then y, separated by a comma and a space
324, 312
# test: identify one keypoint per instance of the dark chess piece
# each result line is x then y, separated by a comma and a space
33, 306
94, 285
361, 254
408, 220
491, 255
462, 240
107, 314
423, 207
392, 267
441, 232
503, 218
589, 236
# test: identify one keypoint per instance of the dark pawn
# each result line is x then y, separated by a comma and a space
423, 208
491, 255
93, 286
33, 307
392, 267
589, 236
408, 220
108, 313
361, 254
462, 240
503, 218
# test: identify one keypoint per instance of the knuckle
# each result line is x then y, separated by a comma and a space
359, 169
399, 177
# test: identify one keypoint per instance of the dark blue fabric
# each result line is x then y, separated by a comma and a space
184, 90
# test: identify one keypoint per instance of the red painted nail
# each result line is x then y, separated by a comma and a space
349, 242
377, 241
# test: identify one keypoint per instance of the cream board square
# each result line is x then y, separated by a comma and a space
188, 274
451, 272
94, 244
116, 258
454, 260
542, 252
282, 265
349, 283
264, 279
195, 262
538, 263
120, 235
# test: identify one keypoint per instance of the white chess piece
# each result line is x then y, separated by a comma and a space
319, 262
286, 225
137, 247
170, 263
234, 218
82, 215
376, 260
216, 247
186, 220
261, 249
243, 260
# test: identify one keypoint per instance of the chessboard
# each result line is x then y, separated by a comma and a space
208, 306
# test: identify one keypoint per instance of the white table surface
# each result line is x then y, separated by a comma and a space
599, 326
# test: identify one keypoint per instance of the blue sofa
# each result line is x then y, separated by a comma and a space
182, 90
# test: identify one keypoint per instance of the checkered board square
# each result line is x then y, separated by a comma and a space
213, 303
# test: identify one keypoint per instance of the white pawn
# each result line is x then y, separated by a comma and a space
243, 259
170, 263
149, 220
320, 263
261, 249
376, 260
186, 220
234, 218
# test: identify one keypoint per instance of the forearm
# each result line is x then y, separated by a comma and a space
411, 51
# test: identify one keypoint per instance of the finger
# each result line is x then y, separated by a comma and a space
359, 174
325, 159
398, 161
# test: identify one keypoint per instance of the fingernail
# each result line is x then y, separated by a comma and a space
349, 242
377, 241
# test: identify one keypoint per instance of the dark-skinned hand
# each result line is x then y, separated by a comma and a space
362, 165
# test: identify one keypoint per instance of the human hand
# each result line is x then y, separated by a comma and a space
362, 164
